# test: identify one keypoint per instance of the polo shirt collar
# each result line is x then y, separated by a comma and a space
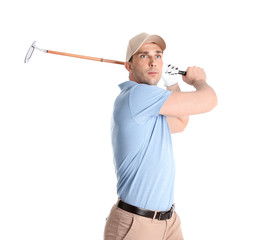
127, 84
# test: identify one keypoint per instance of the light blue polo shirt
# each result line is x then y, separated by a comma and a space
142, 147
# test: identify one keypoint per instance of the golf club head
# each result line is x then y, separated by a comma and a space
30, 52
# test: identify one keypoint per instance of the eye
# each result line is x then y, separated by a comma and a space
143, 56
158, 56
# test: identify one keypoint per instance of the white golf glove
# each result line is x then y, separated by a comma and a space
170, 75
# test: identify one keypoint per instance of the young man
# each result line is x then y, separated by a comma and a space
144, 117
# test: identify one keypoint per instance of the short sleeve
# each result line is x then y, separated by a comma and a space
146, 101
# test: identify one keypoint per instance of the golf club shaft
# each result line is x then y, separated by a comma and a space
33, 46
85, 57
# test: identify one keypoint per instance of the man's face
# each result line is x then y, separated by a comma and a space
146, 65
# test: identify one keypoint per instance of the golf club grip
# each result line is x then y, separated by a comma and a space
182, 72
85, 57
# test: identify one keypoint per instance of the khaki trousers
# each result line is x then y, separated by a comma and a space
122, 225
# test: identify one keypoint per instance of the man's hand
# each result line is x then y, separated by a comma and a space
193, 75
170, 75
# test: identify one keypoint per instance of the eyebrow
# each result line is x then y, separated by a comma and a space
148, 52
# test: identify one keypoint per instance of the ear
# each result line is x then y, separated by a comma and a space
128, 66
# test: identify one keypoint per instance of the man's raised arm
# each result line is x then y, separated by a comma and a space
202, 100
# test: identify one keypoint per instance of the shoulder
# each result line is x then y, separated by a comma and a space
147, 99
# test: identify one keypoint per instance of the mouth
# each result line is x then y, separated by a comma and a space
152, 73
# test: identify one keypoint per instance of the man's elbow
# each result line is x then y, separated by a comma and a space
214, 101
181, 126
178, 130
210, 102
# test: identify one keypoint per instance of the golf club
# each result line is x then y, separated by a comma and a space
33, 47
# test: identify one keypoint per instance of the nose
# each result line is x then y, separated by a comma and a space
152, 61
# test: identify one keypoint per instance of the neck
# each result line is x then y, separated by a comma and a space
133, 79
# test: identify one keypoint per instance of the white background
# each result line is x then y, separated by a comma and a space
57, 178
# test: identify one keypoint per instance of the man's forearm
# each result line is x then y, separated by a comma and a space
205, 91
